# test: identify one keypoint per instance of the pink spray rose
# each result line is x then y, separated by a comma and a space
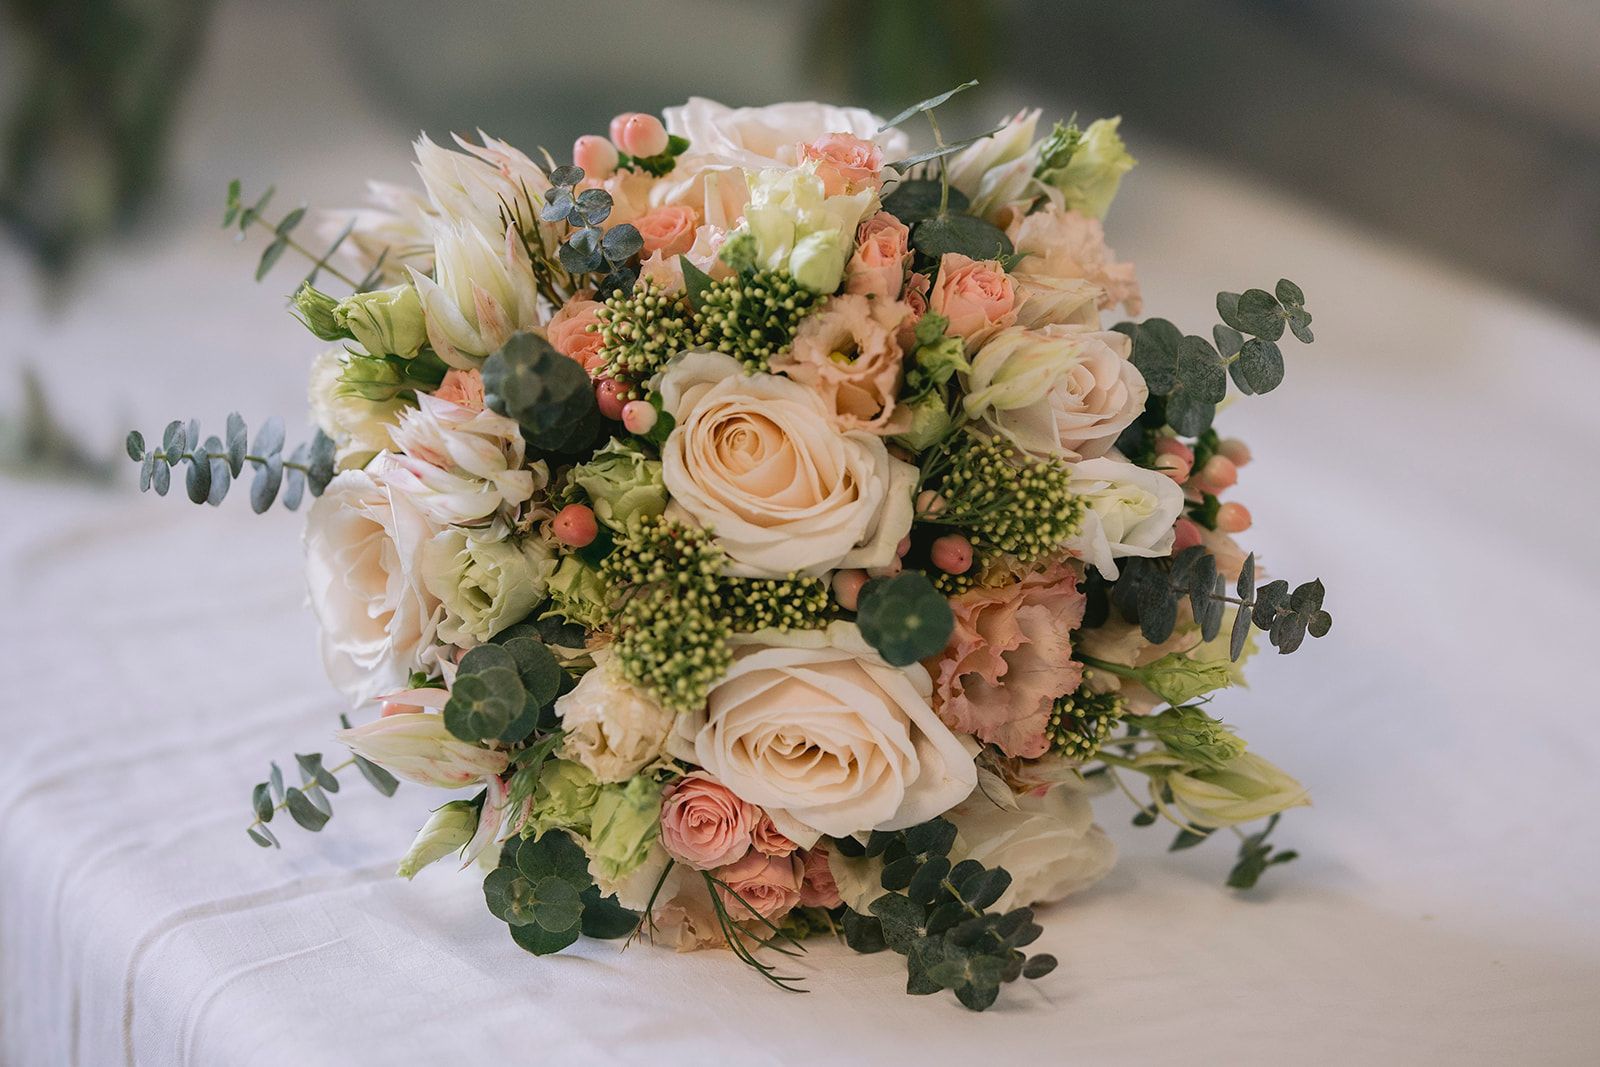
976, 295
569, 331
463, 388
846, 164
817, 888
1009, 658
915, 297
703, 824
850, 353
767, 840
768, 884
878, 267
668, 230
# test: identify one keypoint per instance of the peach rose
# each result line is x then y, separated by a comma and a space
1065, 244
463, 388
1009, 658
766, 885
668, 230
575, 333
915, 296
768, 840
976, 295
878, 267
846, 164
817, 887
850, 353
667, 272
703, 824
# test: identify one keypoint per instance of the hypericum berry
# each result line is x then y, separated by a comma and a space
596, 155
608, 395
617, 125
1174, 459
1082, 721
847, 588
575, 526
639, 416
952, 554
1185, 534
1218, 474
1236, 450
639, 135
1233, 518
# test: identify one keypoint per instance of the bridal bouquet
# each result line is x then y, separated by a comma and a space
773, 530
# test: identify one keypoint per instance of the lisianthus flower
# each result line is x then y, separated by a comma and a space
850, 353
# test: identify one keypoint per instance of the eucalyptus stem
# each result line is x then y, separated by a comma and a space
284, 803
290, 242
258, 460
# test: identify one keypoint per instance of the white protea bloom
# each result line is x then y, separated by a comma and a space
391, 234
460, 466
415, 745
479, 185
482, 292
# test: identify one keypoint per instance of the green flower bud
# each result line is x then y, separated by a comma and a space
624, 823
1177, 679
580, 594
739, 251
818, 260
1244, 789
564, 798
449, 829
317, 310
622, 483
1191, 734
930, 421
385, 321
1089, 168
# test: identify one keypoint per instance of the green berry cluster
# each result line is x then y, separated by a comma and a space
1008, 501
641, 330
672, 634
753, 317
791, 603
1082, 721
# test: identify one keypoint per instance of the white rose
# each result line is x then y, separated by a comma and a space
1048, 842
359, 427
1091, 391
825, 736
363, 564
416, 746
460, 466
484, 586
756, 458
1130, 511
612, 727
1046, 301
758, 137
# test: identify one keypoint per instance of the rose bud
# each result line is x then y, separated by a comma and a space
1233, 518
596, 155
575, 526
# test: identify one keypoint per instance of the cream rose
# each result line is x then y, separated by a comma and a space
363, 545
757, 137
612, 728
1059, 390
1130, 511
757, 459
816, 729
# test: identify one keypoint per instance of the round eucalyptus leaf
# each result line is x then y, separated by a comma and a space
555, 904
965, 235
905, 618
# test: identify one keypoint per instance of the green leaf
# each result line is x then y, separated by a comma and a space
541, 942
269, 439
863, 933
261, 801
554, 854
1259, 313
905, 618
901, 918
1259, 368
1290, 293
536, 667
173, 441
695, 282
1240, 634
380, 779
897, 874
903, 165
548, 395
303, 811
1228, 308
927, 883
621, 243
926, 105
198, 480
135, 445
1155, 353
1300, 324
913, 201
287, 224
604, 918
986, 888
270, 256
264, 490
484, 703
964, 234
1228, 340
235, 203
556, 905
1038, 966
314, 773
1187, 839
237, 443
934, 837
262, 836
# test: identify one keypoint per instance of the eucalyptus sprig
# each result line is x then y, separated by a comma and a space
243, 216
215, 463
542, 890
307, 803
937, 915
589, 249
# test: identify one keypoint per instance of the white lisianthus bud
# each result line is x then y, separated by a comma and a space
612, 727
484, 586
1178, 679
451, 827
1244, 789
792, 225
415, 745
482, 292
385, 321
818, 260
359, 427
461, 466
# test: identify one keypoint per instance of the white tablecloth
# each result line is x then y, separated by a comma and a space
1428, 457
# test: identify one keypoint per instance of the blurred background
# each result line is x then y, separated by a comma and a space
1468, 130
